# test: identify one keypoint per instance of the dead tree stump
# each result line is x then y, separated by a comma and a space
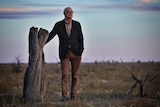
34, 80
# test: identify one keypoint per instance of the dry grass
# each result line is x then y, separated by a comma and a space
103, 85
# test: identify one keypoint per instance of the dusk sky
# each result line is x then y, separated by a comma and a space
112, 29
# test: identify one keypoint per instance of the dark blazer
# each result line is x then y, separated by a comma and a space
74, 42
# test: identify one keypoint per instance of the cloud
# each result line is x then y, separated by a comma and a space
42, 5
142, 5
17, 13
147, 5
30, 10
149, 1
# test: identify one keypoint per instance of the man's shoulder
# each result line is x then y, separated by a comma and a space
60, 22
74, 21
63, 21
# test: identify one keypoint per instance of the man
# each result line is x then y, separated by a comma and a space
70, 51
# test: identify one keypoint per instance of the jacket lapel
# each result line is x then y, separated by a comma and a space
64, 27
72, 30
73, 24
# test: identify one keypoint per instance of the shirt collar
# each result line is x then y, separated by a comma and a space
68, 22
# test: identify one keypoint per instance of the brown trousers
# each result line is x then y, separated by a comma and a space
65, 66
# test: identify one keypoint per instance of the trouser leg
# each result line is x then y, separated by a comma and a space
65, 76
75, 63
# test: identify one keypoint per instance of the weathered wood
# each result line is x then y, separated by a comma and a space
34, 79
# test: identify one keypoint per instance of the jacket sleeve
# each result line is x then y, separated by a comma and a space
52, 33
81, 40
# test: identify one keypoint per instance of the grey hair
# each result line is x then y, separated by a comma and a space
66, 9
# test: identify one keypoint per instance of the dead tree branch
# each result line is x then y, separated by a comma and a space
142, 82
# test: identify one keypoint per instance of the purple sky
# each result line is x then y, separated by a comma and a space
113, 29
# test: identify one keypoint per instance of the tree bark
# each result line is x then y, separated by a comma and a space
34, 80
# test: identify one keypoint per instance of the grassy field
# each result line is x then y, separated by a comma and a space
101, 85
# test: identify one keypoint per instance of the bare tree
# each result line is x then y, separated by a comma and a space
34, 79
142, 80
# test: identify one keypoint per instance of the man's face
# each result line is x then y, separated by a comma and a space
68, 13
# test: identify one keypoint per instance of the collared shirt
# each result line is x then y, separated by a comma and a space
68, 28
